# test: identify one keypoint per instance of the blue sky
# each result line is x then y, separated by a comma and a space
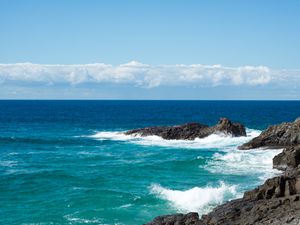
150, 49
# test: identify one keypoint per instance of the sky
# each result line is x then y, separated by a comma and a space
135, 49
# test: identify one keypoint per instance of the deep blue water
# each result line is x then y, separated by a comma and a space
67, 162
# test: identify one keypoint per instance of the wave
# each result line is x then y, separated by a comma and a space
57, 141
77, 220
212, 141
125, 206
8, 163
197, 199
238, 162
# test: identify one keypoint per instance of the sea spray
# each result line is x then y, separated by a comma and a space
212, 141
197, 199
237, 162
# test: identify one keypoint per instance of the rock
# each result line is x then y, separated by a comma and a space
275, 211
281, 186
226, 126
190, 131
278, 136
288, 158
177, 219
275, 202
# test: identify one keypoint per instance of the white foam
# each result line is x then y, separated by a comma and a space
88, 154
74, 219
212, 141
125, 206
196, 199
13, 153
240, 162
8, 163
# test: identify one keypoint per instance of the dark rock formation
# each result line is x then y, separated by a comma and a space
180, 219
190, 131
276, 202
289, 158
278, 136
285, 185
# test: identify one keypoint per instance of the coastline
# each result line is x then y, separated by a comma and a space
72, 150
276, 201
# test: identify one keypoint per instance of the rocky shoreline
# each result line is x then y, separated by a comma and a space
275, 202
277, 136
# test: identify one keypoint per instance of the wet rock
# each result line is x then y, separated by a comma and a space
190, 131
177, 219
278, 136
275, 202
289, 157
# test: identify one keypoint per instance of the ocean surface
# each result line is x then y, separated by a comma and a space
67, 162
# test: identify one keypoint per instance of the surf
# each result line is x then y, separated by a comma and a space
212, 141
196, 199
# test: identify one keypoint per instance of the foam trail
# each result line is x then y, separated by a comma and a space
8, 163
73, 219
212, 141
237, 162
196, 199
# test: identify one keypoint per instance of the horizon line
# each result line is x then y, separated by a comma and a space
149, 99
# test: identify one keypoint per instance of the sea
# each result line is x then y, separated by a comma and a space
69, 162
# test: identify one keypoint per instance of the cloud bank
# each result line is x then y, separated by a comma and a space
142, 75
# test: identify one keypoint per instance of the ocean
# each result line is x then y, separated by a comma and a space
68, 162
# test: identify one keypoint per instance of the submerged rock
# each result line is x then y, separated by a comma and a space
190, 131
277, 136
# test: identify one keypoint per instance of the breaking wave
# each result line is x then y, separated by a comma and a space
239, 162
212, 141
197, 199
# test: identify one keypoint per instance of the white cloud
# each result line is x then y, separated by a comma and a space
143, 75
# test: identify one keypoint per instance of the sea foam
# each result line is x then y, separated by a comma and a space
212, 141
197, 199
238, 162
227, 160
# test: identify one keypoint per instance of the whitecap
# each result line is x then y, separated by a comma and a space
13, 153
212, 141
197, 199
75, 219
87, 153
8, 163
244, 162
125, 206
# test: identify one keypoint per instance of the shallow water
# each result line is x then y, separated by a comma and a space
67, 162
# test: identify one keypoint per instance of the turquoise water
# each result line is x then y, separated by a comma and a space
67, 162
